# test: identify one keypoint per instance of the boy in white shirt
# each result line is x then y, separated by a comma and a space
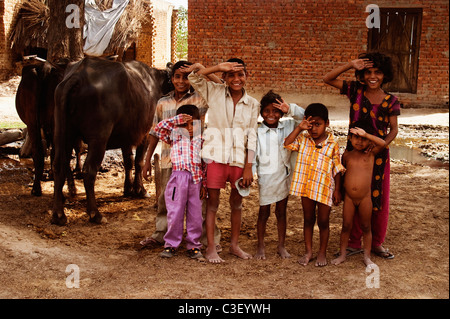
273, 166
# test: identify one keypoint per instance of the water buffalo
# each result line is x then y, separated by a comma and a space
35, 106
108, 105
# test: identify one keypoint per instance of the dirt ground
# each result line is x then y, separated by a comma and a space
34, 254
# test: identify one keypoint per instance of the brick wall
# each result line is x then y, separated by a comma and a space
289, 45
145, 49
162, 41
173, 34
157, 41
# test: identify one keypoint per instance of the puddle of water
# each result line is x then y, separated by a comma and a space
412, 155
402, 152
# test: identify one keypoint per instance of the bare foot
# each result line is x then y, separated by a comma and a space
283, 252
305, 259
321, 260
368, 262
260, 253
338, 260
237, 251
213, 257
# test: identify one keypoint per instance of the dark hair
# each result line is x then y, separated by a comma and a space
178, 65
269, 98
317, 109
189, 109
238, 61
365, 125
380, 61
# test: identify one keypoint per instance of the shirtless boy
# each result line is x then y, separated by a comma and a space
357, 185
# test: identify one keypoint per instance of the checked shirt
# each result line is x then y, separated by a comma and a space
185, 153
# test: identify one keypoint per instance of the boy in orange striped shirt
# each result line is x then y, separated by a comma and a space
316, 177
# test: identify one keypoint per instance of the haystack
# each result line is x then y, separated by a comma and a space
30, 30
32, 23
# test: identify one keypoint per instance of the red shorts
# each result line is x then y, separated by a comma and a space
217, 175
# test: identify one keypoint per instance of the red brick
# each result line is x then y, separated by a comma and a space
292, 44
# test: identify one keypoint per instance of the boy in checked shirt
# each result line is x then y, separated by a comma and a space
185, 189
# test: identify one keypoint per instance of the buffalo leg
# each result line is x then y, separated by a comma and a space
38, 159
92, 164
138, 165
61, 167
78, 148
76, 173
127, 155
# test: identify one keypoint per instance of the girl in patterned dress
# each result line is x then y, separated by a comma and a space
371, 104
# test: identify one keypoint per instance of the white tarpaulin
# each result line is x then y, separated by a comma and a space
99, 25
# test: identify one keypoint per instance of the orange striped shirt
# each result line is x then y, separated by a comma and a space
315, 169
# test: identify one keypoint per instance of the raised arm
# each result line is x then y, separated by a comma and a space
197, 67
304, 125
331, 78
379, 142
292, 109
222, 67
164, 128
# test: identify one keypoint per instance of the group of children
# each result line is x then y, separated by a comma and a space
233, 147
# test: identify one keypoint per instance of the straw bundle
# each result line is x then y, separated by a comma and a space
128, 28
32, 25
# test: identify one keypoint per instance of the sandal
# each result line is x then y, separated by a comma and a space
168, 252
194, 253
149, 241
350, 251
383, 253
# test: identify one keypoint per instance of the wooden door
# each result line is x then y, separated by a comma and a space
399, 37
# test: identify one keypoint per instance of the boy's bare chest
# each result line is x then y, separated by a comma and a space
357, 160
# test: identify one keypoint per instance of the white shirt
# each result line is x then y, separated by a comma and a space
270, 151
231, 130
273, 161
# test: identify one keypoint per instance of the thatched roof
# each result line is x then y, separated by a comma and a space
33, 16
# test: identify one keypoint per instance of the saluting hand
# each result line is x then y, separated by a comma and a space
361, 64
230, 67
306, 124
282, 105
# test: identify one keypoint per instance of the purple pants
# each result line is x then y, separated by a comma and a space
183, 196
